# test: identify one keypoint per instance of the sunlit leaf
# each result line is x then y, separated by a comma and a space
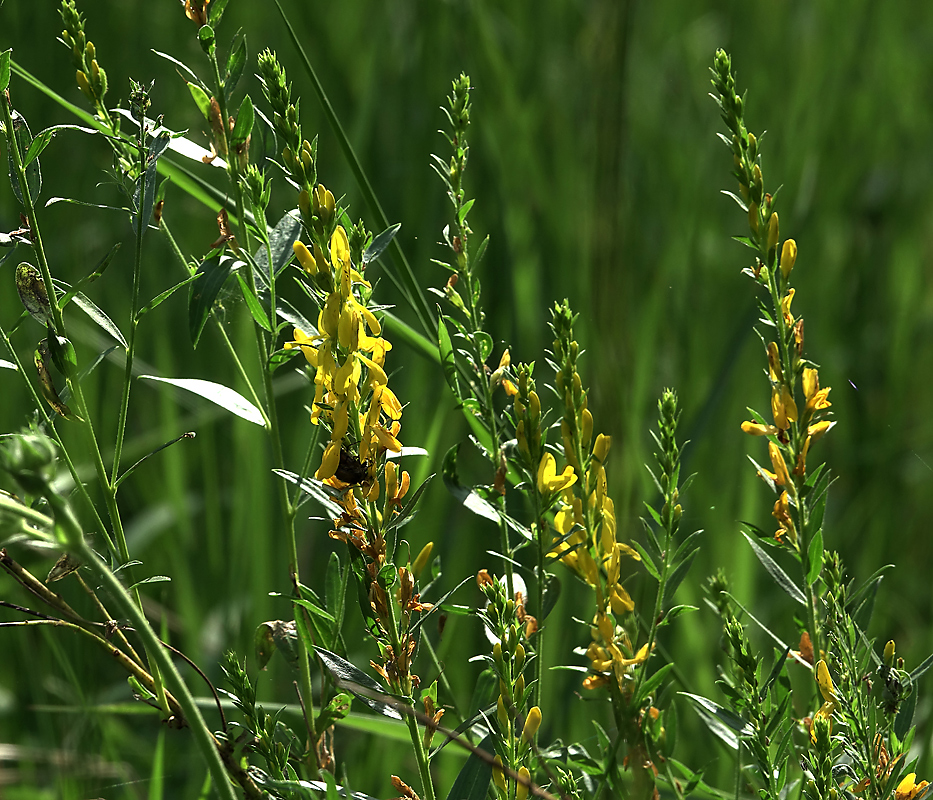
220, 395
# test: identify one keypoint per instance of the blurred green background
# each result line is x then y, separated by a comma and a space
597, 176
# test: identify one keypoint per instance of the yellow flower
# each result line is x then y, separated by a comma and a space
781, 476
782, 514
783, 407
825, 682
908, 788
549, 482
785, 307
757, 429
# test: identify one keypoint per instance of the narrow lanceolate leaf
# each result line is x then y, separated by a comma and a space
781, 578
204, 292
5, 69
33, 175
283, 236
244, 122
4, 364
472, 782
448, 358
380, 243
464, 494
252, 303
721, 721
90, 308
161, 298
220, 395
353, 679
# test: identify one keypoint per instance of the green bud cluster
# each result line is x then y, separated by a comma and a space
527, 409
89, 75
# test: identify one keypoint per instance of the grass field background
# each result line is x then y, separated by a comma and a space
597, 176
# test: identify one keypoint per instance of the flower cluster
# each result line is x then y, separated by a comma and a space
348, 354
585, 519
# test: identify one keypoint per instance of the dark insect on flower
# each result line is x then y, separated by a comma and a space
351, 470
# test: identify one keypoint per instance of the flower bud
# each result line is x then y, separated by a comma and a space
889, 654
532, 723
422, 559
773, 231
521, 791
788, 257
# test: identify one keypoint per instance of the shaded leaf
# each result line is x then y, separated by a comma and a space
215, 270
218, 394
473, 780
464, 495
728, 727
380, 243
351, 678
781, 578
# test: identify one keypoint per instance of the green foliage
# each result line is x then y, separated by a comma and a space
593, 180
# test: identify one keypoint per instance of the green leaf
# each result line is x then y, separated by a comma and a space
201, 99
236, 61
448, 358
484, 343
646, 561
905, 715
206, 39
815, 557
23, 140
5, 69
252, 303
335, 593
244, 123
473, 780
146, 184
653, 682
464, 210
216, 12
63, 354
781, 578
281, 241
153, 579
161, 298
216, 270
349, 677
380, 243
552, 587
919, 671
464, 495
721, 721
220, 395
4, 364
98, 316
677, 611
407, 513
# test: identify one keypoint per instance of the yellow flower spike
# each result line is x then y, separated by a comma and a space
339, 248
606, 627
788, 257
329, 462
373, 494
510, 388
825, 682
773, 230
307, 261
320, 260
753, 217
785, 307
371, 321
781, 513
790, 407
774, 363
549, 482
757, 429
532, 723
782, 477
